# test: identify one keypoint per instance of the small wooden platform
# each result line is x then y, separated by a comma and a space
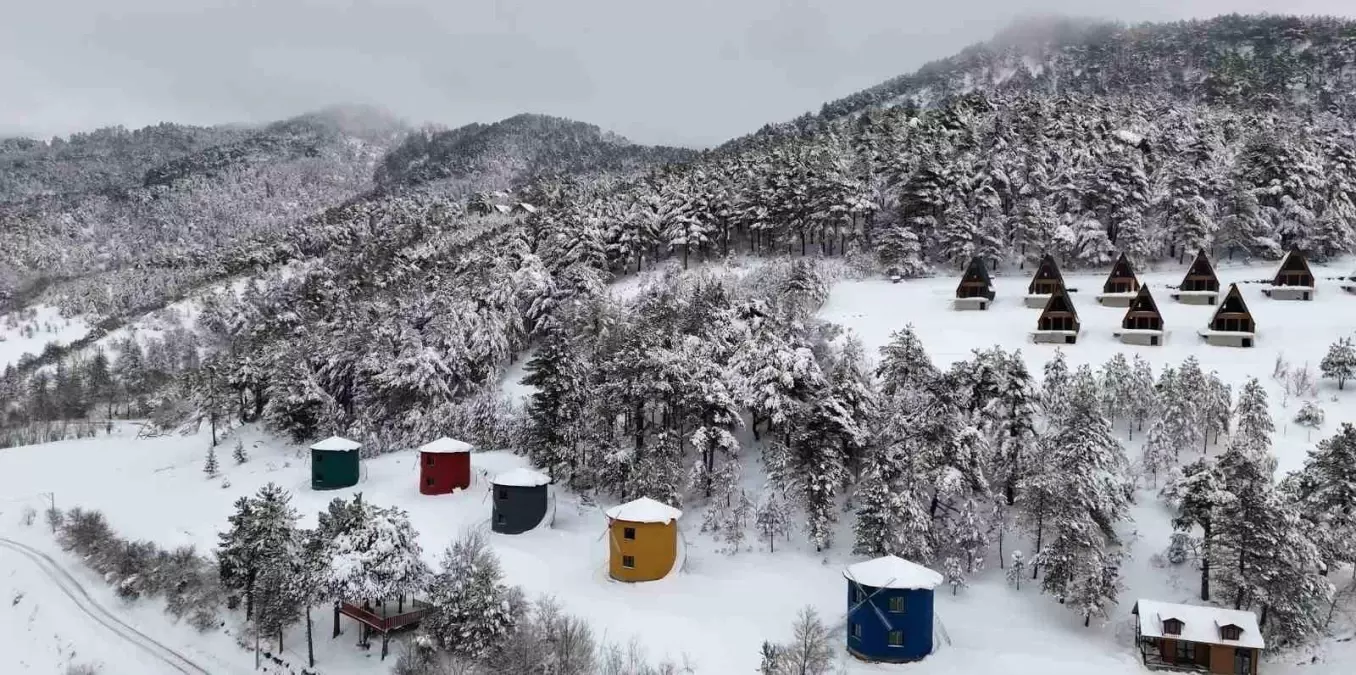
373, 622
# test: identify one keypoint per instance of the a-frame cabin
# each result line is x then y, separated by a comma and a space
1048, 279
976, 288
1349, 284
1293, 281
1200, 286
1058, 322
1232, 325
1121, 285
1143, 323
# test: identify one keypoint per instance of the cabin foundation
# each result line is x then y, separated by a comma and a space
1036, 301
1220, 338
1054, 337
1289, 293
1143, 338
972, 304
1116, 299
1196, 297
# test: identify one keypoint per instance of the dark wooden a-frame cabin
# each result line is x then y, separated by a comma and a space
1122, 278
1143, 323
1200, 286
975, 290
1232, 325
1046, 281
1059, 320
1294, 280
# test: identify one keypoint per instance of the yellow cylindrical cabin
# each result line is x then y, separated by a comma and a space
642, 540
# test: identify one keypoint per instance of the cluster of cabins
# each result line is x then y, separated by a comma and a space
1232, 325
890, 604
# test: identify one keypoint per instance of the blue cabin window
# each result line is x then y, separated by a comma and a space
896, 638
897, 604
857, 630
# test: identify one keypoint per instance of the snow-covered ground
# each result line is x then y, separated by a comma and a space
21, 335
721, 607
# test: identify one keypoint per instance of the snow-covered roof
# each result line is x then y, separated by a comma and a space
445, 446
527, 207
1199, 624
1128, 137
503, 208
336, 443
644, 510
893, 572
521, 477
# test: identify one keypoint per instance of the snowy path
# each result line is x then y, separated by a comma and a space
77, 594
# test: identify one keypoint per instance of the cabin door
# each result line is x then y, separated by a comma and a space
1242, 661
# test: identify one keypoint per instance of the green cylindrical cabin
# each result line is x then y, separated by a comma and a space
335, 464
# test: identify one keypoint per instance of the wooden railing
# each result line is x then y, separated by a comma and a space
386, 624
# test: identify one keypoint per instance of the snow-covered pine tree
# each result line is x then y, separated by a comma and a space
1055, 385
1310, 416
1016, 569
1143, 398
905, 364
1217, 408
238, 452
1193, 389
1114, 381
955, 573
375, 554
1016, 435
771, 518
852, 385
1340, 362
278, 551
1253, 425
556, 371
1325, 490
210, 466
892, 518
1196, 491
472, 610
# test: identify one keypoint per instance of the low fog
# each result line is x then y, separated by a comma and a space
685, 73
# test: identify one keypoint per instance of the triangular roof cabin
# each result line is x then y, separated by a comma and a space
976, 283
1294, 271
1059, 312
1143, 313
1232, 314
1047, 278
1122, 278
1200, 277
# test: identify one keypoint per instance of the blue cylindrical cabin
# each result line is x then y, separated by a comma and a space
890, 610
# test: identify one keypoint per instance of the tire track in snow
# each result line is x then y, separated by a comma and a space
77, 593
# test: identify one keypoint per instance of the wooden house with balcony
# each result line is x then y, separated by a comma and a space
1293, 281
976, 288
1232, 325
1058, 323
1143, 323
1122, 286
1196, 639
1200, 286
1047, 280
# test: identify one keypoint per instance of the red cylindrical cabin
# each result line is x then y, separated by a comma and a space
444, 466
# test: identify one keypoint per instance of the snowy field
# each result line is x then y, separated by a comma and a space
717, 610
21, 335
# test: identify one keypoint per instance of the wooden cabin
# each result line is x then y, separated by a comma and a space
1232, 325
1200, 286
1143, 323
890, 615
976, 288
1293, 281
1349, 284
1043, 285
1058, 323
1121, 285
1192, 638
644, 540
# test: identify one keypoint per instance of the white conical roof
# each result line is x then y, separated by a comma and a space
893, 572
445, 446
644, 510
336, 443
521, 477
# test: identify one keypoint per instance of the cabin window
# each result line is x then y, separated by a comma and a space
629, 561
852, 594
1172, 627
503, 494
317, 458
428, 481
629, 533
857, 630
1186, 651
896, 638
428, 460
499, 518
897, 605
1230, 632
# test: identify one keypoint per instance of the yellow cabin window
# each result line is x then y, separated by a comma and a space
896, 638
629, 561
897, 605
629, 533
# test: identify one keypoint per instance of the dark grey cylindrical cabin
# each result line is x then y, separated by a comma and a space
520, 501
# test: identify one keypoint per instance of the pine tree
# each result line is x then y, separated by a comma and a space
1253, 425
1017, 439
772, 519
472, 614
238, 452
210, 466
1310, 415
1197, 491
1055, 386
1016, 569
1141, 393
1115, 381
905, 364
1340, 362
1325, 492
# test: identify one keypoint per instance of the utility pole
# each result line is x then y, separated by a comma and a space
51, 499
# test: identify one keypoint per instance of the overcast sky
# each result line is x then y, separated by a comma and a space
688, 72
